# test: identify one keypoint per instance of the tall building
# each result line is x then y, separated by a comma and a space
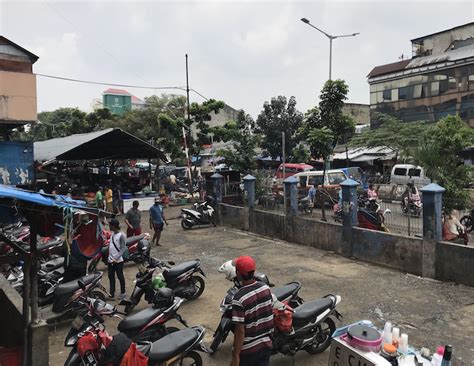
119, 101
437, 81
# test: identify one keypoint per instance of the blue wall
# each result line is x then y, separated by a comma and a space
16, 162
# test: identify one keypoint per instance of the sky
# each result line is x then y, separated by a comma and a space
241, 52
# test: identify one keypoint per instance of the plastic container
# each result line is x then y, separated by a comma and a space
387, 333
437, 357
364, 338
126, 196
403, 344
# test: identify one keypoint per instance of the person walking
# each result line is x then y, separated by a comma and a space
109, 199
252, 316
117, 247
133, 219
157, 220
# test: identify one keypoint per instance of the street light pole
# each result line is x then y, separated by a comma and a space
331, 37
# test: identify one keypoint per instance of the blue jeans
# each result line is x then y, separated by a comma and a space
260, 358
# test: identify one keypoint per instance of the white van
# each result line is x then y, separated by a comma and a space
334, 177
403, 173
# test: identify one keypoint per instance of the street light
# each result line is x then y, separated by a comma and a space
331, 37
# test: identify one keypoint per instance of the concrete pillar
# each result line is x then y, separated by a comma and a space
349, 215
39, 340
249, 187
432, 211
217, 181
291, 191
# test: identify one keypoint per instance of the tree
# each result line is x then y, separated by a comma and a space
393, 133
438, 153
326, 126
242, 156
279, 116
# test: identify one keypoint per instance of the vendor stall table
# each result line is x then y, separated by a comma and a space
144, 203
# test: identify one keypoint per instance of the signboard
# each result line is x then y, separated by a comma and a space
16, 162
342, 354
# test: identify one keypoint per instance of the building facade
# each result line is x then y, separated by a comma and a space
437, 81
118, 101
18, 103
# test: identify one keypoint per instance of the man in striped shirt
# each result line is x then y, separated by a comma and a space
253, 318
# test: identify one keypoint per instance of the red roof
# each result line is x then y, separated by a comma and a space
114, 91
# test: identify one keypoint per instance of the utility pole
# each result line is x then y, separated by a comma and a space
284, 168
184, 134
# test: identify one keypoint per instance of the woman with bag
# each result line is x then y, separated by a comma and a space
117, 248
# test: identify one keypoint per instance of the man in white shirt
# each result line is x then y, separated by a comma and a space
117, 247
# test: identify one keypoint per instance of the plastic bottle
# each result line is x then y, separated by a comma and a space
448, 351
387, 333
437, 357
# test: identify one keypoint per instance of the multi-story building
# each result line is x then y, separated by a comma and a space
437, 81
119, 101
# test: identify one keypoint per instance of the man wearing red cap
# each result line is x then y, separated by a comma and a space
252, 316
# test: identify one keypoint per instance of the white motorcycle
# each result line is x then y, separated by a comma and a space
201, 214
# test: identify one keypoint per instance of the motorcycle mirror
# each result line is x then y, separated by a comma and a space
81, 285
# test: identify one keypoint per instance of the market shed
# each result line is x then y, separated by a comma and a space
109, 144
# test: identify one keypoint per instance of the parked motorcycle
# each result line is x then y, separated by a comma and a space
287, 294
312, 327
467, 221
182, 279
367, 219
200, 214
137, 245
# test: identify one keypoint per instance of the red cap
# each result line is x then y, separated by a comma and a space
245, 264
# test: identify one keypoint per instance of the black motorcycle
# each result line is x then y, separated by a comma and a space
201, 214
182, 279
287, 294
467, 221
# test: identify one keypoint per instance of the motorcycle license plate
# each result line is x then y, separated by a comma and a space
89, 360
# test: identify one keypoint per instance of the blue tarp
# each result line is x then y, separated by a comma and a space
38, 198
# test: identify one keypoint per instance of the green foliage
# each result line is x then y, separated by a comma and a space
326, 126
279, 115
241, 156
438, 152
300, 154
393, 133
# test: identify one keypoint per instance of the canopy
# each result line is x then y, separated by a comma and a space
112, 143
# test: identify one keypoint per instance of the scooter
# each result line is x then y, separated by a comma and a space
136, 245
467, 221
287, 294
415, 207
200, 214
182, 279
312, 327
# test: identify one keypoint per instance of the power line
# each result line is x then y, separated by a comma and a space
120, 85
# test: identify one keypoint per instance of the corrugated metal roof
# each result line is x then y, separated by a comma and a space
451, 55
361, 152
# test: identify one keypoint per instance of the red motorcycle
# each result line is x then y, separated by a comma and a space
136, 246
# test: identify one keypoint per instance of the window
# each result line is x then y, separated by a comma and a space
394, 95
336, 178
414, 172
425, 90
406, 92
452, 84
387, 95
443, 86
471, 82
434, 88
417, 91
400, 171
316, 180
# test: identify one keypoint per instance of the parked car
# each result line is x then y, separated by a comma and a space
403, 173
292, 169
332, 183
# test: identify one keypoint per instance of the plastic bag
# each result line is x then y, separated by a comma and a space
133, 357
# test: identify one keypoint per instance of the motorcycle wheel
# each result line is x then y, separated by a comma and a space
73, 359
185, 225
323, 337
217, 340
98, 295
199, 285
467, 222
190, 359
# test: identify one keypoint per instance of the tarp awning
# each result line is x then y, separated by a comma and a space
112, 143
366, 154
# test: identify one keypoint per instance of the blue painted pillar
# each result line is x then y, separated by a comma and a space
432, 211
217, 186
249, 187
349, 214
291, 191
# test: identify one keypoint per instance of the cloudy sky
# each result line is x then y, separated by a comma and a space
242, 52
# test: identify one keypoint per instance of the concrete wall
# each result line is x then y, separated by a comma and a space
10, 315
360, 112
17, 97
454, 262
399, 252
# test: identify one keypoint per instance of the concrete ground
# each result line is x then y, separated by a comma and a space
430, 312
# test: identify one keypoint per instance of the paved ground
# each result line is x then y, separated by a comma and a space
430, 312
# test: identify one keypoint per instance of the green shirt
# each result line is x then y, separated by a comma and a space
99, 200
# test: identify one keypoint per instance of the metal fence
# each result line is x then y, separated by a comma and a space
400, 221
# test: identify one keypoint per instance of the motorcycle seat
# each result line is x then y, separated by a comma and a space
138, 320
179, 269
133, 239
171, 345
52, 264
310, 310
72, 286
286, 291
